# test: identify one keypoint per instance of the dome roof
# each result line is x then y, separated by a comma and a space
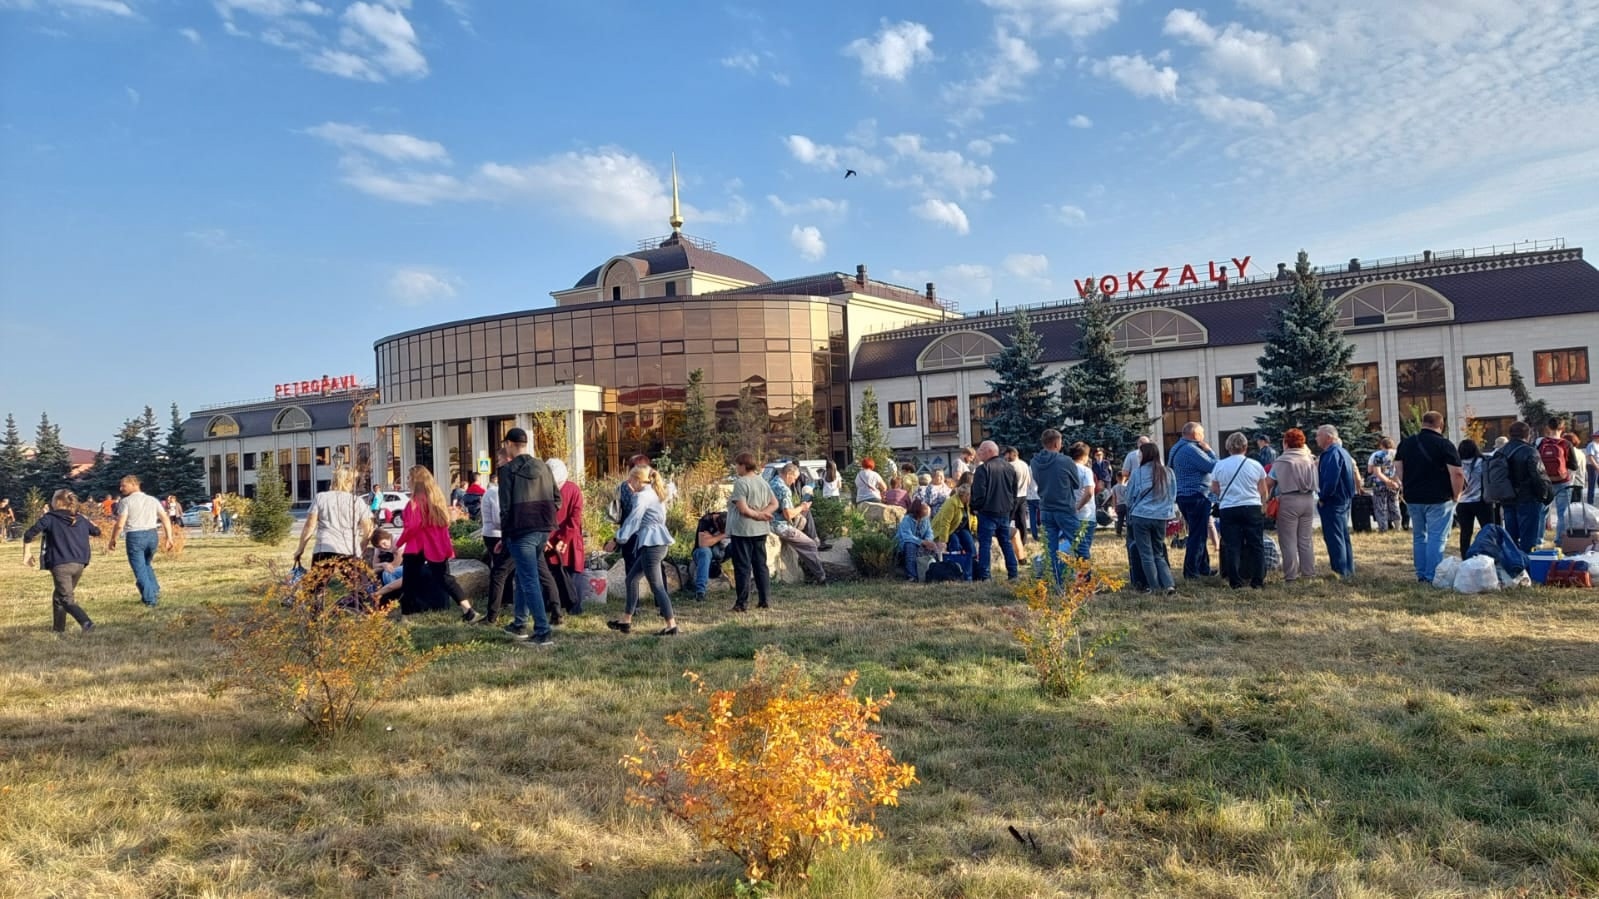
677, 254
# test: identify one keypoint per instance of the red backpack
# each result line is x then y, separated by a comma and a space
1552, 450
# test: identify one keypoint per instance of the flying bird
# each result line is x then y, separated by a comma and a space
849, 173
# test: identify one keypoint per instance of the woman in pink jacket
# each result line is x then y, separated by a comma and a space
565, 554
427, 551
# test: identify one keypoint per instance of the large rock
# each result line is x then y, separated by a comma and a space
881, 513
836, 561
473, 576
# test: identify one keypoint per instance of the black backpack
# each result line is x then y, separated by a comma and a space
939, 572
1497, 487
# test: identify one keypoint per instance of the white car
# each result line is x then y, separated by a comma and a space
391, 506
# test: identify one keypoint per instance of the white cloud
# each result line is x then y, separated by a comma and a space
393, 146
946, 169
191, 35
133, 96
1078, 18
73, 7
375, 40
420, 286
808, 241
1028, 266
610, 186
962, 281
211, 238
1080, 121
1234, 110
1006, 71
384, 36
980, 147
824, 156
1245, 53
943, 212
812, 206
269, 9
746, 60
413, 188
897, 49
1139, 76
1069, 214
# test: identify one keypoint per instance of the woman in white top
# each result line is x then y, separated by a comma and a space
1241, 486
832, 481
339, 519
869, 485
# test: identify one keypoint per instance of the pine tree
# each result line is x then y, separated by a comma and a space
182, 473
1022, 403
51, 465
699, 439
1101, 407
750, 426
869, 441
1535, 412
1304, 379
268, 520
13, 465
807, 440
131, 454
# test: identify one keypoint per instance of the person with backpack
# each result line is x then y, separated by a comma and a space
1427, 468
1559, 462
1515, 479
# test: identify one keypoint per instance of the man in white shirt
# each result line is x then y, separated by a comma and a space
1131, 462
138, 516
1087, 519
1591, 453
1019, 516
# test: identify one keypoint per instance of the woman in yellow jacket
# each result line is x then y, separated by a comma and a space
952, 528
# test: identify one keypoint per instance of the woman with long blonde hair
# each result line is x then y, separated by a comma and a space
427, 551
339, 520
646, 524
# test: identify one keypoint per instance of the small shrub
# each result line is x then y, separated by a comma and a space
269, 520
774, 770
469, 547
465, 527
871, 550
1052, 636
309, 648
836, 517
597, 496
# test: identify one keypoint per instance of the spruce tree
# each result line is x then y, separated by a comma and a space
1023, 400
268, 520
699, 439
131, 454
869, 441
1101, 407
807, 440
1304, 379
1535, 412
750, 426
51, 465
13, 465
182, 472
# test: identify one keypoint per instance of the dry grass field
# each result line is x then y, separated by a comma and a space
1363, 739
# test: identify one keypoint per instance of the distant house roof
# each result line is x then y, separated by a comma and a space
79, 456
1484, 289
675, 254
256, 419
830, 284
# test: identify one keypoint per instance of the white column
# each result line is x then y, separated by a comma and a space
480, 446
441, 456
575, 464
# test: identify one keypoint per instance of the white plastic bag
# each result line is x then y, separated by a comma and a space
1477, 574
1444, 578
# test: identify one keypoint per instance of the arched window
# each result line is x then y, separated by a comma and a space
292, 419
963, 349
1151, 329
1392, 303
222, 426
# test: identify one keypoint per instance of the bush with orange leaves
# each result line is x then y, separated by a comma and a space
316, 647
1052, 635
775, 769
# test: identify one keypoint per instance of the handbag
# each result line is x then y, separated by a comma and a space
1568, 573
1271, 507
1215, 504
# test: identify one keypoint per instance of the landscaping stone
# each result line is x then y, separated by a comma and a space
473, 576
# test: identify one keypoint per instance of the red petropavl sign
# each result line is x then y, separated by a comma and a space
316, 386
1162, 277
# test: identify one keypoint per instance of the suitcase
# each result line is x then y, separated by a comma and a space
1360, 513
1568, 573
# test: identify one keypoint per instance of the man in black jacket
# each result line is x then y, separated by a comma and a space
1524, 518
528, 501
993, 499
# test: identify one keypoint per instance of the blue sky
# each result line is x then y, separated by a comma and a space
201, 199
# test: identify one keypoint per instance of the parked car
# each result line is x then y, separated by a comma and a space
392, 505
195, 514
813, 468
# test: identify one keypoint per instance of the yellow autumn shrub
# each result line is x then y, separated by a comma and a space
1051, 634
774, 770
315, 648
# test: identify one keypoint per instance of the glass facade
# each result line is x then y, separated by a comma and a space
786, 349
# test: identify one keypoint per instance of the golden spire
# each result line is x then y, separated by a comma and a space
677, 214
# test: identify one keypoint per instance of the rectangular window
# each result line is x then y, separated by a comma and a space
943, 415
616, 294
544, 357
1179, 405
1235, 390
1421, 387
341, 454
1488, 372
671, 288
1561, 366
1493, 428
1581, 424
671, 348
582, 354
978, 411
724, 345
249, 461
626, 350
322, 456
1365, 374
902, 414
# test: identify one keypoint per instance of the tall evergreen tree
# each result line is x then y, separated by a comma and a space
1101, 407
182, 472
1304, 379
1023, 401
1534, 411
750, 427
699, 439
268, 520
807, 440
869, 440
51, 465
13, 465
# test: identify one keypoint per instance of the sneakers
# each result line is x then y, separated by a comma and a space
88, 626
471, 615
546, 640
517, 632
699, 597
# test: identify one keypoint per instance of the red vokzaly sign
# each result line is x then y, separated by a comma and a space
317, 386
1161, 278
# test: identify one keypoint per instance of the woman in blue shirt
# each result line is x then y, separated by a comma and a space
1151, 495
646, 526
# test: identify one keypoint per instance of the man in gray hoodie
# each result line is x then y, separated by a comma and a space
1058, 481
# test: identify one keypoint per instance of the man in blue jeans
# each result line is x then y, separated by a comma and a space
710, 548
994, 501
1336, 491
1058, 482
1427, 468
1191, 461
528, 501
138, 516
1524, 515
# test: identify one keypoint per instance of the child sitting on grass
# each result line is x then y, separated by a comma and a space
915, 536
381, 557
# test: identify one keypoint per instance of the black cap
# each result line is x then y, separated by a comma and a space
516, 435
